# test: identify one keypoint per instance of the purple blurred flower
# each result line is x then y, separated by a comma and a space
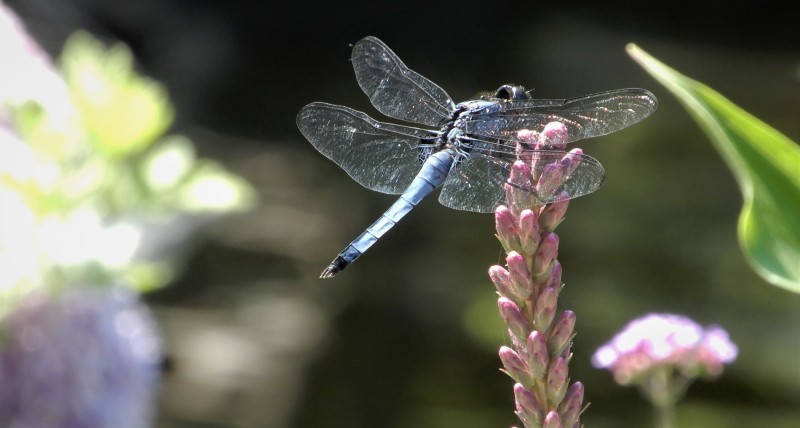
663, 354
82, 357
665, 340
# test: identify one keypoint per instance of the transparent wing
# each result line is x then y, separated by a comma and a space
394, 89
585, 117
477, 182
379, 156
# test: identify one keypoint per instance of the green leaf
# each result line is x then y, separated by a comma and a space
766, 165
123, 112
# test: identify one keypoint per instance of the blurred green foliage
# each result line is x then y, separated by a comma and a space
97, 173
766, 165
123, 113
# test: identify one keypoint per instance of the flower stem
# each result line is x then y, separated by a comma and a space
665, 415
662, 394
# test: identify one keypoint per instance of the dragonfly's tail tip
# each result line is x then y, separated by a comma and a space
337, 265
328, 273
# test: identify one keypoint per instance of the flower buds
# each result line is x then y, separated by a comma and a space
507, 228
552, 420
556, 386
530, 284
519, 186
550, 180
547, 252
528, 408
545, 309
517, 324
555, 136
553, 214
505, 285
538, 355
519, 273
570, 409
562, 333
529, 231
515, 366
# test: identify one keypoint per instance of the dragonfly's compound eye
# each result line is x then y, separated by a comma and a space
511, 93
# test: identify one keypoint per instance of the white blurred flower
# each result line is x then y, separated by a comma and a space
83, 237
27, 72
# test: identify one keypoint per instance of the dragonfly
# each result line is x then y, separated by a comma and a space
467, 149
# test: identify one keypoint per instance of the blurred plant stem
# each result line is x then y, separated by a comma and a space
665, 415
662, 396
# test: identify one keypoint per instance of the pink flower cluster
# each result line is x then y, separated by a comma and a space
665, 340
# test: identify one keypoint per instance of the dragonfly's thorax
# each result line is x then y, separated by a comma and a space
473, 107
456, 131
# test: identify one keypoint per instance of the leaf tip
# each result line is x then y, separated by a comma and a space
635, 52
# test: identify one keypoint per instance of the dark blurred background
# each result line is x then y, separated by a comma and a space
408, 336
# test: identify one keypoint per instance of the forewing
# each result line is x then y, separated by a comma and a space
585, 117
380, 156
394, 89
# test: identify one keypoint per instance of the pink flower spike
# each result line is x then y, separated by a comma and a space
555, 135
539, 351
529, 231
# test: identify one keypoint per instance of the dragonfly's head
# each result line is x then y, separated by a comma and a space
511, 93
